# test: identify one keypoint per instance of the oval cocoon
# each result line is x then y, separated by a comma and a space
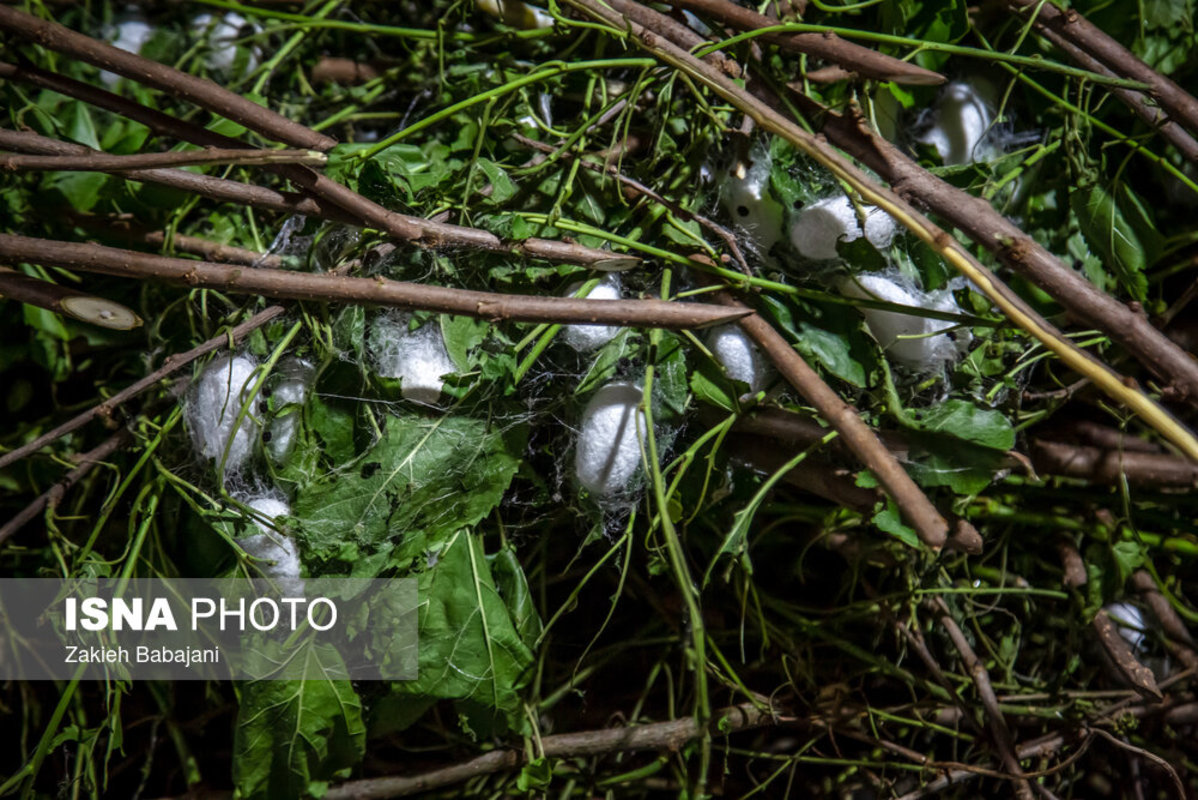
914, 340
823, 223
738, 355
609, 441
214, 408
418, 358
585, 338
277, 554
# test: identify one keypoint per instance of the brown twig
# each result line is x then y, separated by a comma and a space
1139, 463
1072, 27
1166, 615
912, 502
125, 228
812, 475
171, 364
1129, 668
55, 493
665, 736
96, 161
675, 29
205, 185
999, 731
853, 57
345, 71
377, 291
211, 251
1074, 568
1140, 105
1113, 466
65, 300
202, 92
1153, 757
360, 210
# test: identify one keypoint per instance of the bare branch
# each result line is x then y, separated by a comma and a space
377, 291
56, 492
357, 208
202, 92
999, 731
1072, 27
666, 736
852, 57
212, 156
65, 300
205, 185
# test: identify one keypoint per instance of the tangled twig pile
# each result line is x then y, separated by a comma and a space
719, 372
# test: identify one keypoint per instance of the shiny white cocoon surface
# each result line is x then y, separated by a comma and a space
585, 338
822, 224
608, 454
891, 328
418, 358
214, 407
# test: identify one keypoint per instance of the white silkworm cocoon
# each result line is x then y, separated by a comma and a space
585, 338
608, 454
276, 554
213, 410
418, 358
288, 395
516, 13
929, 348
131, 33
747, 198
825, 222
962, 120
738, 355
1129, 622
224, 40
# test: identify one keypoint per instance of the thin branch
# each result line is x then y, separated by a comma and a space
377, 291
66, 300
1120, 458
1072, 565
171, 364
210, 251
125, 228
853, 57
675, 29
914, 504
202, 92
1153, 757
666, 736
55, 493
1072, 27
205, 185
360, 210
1166, 615
999, 731
211, 157
1113, 466
1140, 105
1138, 676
